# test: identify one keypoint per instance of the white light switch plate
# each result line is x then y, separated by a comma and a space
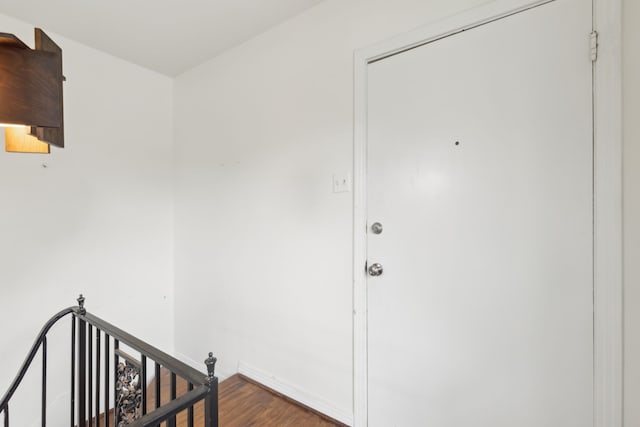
341, 183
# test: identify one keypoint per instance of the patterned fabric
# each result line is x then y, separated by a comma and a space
128, 394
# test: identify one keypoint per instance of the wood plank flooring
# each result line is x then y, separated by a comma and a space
242, 403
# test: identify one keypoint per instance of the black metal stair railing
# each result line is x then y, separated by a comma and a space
111, 376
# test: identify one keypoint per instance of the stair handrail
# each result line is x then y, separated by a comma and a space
32, 354
205, 386
202, 387
177, 366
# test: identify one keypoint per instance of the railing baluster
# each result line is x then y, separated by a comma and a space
90, 364
73, 372
82, 373
190, 413
158, 389
116, 413
97, 377
44, 382
106, 380
143, 383
6, 416
172, 421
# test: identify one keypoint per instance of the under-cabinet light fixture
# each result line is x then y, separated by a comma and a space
31, 94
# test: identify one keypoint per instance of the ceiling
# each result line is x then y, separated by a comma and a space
168, 36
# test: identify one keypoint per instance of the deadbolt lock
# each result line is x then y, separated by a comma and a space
376, 228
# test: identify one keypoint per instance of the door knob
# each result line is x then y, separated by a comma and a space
375, 269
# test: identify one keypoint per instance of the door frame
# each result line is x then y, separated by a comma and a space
607, 209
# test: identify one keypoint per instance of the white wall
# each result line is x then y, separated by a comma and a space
263, 246
98, 219
631, 87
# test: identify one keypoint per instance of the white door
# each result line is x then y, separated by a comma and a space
480, 174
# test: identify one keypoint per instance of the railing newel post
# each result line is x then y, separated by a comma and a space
81, 309
72, 415
82, 364
44, 382
211, 400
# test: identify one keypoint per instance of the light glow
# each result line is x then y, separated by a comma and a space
18, 140
11, 125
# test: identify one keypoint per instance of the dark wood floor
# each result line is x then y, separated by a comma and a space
243, 403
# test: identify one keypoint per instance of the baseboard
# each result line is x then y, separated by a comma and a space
314, 402
200, 366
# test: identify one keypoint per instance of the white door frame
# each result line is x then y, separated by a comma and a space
607, 214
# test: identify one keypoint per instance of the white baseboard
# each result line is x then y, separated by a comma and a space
200, 366
308, 399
